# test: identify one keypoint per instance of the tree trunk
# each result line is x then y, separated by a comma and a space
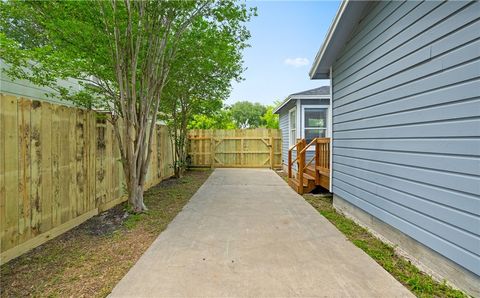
135, 197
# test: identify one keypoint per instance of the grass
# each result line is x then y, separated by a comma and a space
89, 260
419, 283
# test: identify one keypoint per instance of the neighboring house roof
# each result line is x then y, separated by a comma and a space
348, 16
316, 93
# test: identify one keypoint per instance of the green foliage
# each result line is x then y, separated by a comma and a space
219, 120
270, 119
246, 114
224, 118
208, 59
130, 57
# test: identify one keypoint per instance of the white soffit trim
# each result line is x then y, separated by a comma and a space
299, 97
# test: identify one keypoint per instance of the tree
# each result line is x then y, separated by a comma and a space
120, 51
270, 119
209, 58
246, 114
221, 119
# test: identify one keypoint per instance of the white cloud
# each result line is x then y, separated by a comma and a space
297, 62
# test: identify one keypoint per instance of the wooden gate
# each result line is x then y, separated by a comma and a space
235, 148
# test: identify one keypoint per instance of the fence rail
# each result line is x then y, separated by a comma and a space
244, 148
59, 166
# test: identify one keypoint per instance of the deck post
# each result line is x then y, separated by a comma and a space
301, 165
289, 163
317, 162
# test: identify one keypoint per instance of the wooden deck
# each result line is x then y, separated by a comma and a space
312, 173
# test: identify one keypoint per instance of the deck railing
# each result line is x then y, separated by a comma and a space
321, 158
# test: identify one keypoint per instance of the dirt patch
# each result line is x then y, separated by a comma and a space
106, 222
89, 260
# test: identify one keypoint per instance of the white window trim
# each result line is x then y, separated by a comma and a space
292, 110
327, 127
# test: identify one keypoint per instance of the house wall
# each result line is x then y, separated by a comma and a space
406, 114
28, 89
283, 124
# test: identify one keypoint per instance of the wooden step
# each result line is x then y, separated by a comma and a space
309, 177
310, 170
308, 185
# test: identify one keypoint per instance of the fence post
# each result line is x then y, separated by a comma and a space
272, 155
212, 150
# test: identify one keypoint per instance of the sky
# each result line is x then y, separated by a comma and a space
286, 36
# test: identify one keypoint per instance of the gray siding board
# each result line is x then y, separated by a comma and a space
458, 201
432, 82
452, 181
385, 39
412, 33
371, 29
412, 75
469, 260
283, 124
453, 128
406, 114
453, 146
467, 108
461, 228
436, 97
456, 164
437, 47
452, 56
453, 221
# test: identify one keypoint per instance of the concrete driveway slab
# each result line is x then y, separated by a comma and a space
246, 233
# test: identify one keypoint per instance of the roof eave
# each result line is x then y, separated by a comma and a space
348, 14
289, 98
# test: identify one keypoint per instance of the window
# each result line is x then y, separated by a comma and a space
292, 124
315, 123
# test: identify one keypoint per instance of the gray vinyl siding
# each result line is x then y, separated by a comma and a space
283, 124
406, 123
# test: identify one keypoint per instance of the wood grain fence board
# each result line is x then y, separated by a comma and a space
11, 172
24, 170
46, 161
72, 164
59, 166
235, 148
64, 165
3, 222
56, 139
92, 147
36, 166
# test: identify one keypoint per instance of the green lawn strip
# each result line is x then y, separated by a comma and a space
419, 283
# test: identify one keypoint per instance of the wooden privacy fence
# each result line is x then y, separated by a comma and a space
255, 148
59, 166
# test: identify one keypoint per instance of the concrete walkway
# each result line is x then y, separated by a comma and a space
247, 233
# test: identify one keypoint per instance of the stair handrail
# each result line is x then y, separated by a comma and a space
290, 162
301, 152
